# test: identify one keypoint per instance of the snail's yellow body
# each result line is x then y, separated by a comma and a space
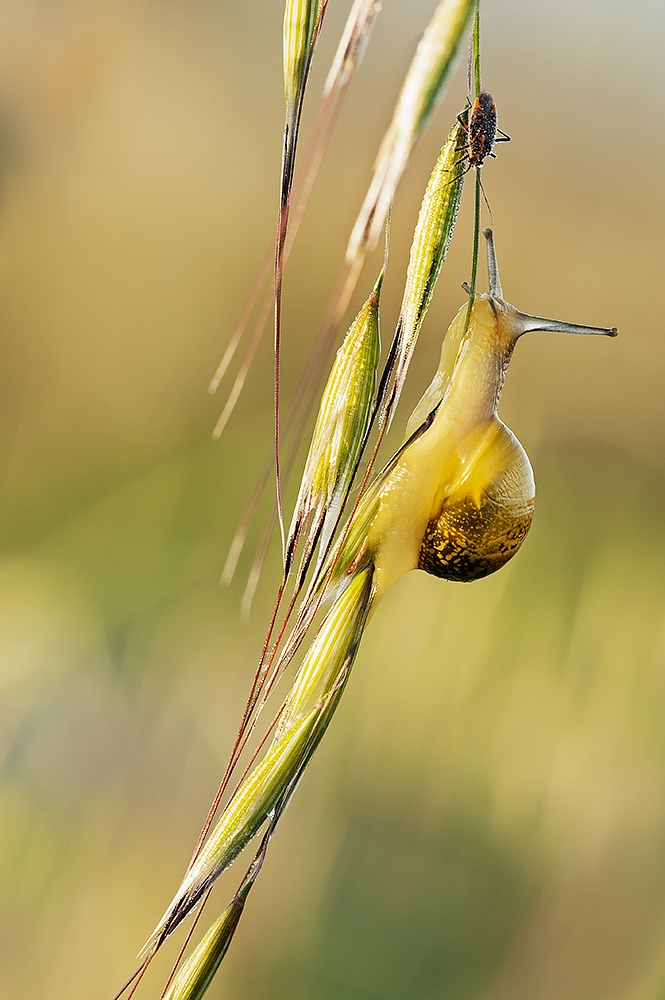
459, 497
459, 501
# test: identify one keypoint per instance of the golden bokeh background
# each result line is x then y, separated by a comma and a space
486, 817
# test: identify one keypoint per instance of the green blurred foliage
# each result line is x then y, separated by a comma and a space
486, 817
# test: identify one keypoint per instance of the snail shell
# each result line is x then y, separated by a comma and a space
478, 529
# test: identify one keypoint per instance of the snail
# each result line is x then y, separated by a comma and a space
458, 498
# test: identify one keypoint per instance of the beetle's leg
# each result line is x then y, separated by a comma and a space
457, 163
464, 111
463, 175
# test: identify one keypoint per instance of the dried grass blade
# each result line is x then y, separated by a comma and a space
241, 377
232, 346
352, 44
429, 248
340, 432
422, 89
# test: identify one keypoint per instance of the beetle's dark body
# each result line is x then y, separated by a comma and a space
482, 130
481, 134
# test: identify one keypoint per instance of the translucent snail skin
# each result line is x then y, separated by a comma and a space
459, 500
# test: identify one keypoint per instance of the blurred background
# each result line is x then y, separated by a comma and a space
485, 819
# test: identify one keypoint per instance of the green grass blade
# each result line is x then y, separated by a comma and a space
315, 694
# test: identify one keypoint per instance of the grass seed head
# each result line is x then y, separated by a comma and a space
431, 240
340, 430
300, 18
330, 656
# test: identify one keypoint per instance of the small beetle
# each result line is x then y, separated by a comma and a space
482, 130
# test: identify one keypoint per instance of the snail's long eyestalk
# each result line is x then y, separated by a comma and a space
523, 323
529, 324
